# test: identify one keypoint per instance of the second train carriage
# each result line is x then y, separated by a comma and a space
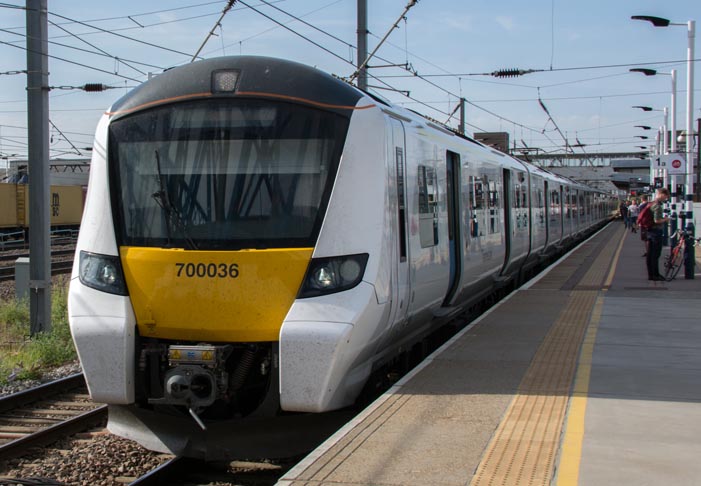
260, 237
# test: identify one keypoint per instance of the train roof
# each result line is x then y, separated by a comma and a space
241, 76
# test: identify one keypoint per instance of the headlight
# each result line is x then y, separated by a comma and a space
333, 274
102, 272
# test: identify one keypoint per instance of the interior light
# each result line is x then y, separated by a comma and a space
224, 81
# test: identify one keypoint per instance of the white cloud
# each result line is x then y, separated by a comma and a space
456, 22
507, 23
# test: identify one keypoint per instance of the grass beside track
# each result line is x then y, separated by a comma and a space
25, 357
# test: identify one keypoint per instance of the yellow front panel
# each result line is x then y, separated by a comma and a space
233, 296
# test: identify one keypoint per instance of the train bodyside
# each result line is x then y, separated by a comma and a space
217, 280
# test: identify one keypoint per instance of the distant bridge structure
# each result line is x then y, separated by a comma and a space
597, 159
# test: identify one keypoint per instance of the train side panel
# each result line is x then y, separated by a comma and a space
484, 242
538, 215
342, 330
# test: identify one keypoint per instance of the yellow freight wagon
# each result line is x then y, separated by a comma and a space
8, 206
65, 205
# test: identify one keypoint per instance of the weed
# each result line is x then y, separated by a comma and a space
28, 356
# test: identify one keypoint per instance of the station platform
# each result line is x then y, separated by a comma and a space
588, 375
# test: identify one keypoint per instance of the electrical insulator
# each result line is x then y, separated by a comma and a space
94, 87
507, 73
511, 73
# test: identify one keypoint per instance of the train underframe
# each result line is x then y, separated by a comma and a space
215, 402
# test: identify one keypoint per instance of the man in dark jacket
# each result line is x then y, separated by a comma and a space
655, 235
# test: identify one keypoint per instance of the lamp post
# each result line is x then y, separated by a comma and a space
660, 172
673, 143
688, 213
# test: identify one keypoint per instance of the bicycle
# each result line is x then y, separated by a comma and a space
675, 260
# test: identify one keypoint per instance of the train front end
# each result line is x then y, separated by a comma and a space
208, 190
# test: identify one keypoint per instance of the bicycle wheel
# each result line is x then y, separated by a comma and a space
674, 262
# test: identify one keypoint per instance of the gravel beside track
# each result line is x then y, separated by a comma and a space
90, 459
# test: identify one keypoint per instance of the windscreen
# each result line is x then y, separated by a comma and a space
224, 174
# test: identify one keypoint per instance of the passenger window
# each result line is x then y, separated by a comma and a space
428, 206
476, 199
476, 193
494, 221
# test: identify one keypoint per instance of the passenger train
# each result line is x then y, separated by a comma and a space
261, 238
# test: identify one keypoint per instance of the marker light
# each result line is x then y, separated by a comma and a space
102, 272
224, 81
334, 274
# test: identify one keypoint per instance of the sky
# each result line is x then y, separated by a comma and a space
581, 51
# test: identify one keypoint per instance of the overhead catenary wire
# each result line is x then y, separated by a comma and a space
574, 68
51, 56
97, 48
364, 63
342, 58
550, 118
77, 151
100, 52
378, 78
229, 4
294, 32
423, 103
120, 35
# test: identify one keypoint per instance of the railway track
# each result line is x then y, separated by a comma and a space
11, 257
44, 414
59, 264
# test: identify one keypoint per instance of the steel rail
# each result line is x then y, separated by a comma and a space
50, 434
42, 392
57, 268
54, 253
47, 435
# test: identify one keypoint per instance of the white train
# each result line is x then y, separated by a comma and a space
261, 238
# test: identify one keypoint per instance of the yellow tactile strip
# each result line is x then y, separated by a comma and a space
524, 446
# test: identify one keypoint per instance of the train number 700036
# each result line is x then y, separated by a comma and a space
208, 270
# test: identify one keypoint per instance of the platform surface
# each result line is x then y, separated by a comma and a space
589, 375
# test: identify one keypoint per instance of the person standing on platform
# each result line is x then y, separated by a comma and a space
633, 215
643, 231
655, 235
623, 209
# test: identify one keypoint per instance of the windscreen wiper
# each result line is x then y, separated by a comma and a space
173, 216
